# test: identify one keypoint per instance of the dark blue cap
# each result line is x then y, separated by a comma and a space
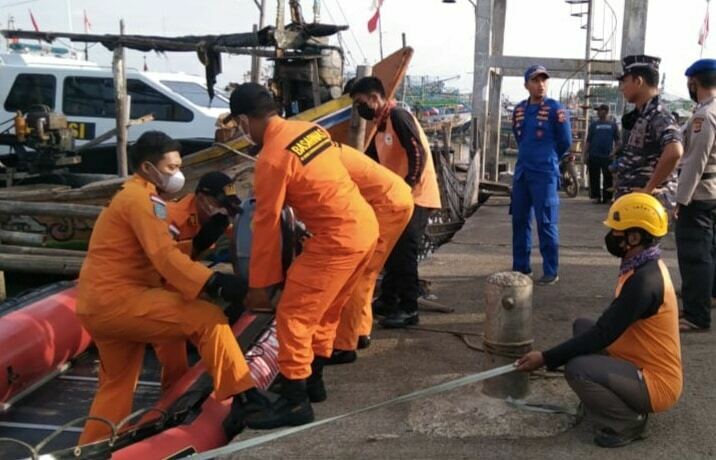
535, 70
702, 65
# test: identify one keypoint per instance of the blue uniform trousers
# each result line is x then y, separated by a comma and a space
535, 193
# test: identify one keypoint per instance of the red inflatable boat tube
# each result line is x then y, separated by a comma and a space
36, 339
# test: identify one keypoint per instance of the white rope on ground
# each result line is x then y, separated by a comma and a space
430, 391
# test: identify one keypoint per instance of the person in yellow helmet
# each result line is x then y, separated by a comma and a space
627, 363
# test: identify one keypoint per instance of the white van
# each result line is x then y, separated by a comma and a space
84, 92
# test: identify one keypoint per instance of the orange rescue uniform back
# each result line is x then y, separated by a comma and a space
300, 166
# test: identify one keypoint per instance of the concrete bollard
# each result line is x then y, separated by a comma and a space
508, 331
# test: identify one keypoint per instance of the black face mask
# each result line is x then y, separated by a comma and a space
616, 245
629, 119
692, 93
365, 111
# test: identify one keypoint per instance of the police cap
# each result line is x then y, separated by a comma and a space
702, 65
637, 62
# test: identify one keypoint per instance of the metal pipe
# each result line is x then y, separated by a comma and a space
6, 406
508, 331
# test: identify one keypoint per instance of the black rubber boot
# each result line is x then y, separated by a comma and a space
363, 341
249, 402
292, 408
342, 357
315, 387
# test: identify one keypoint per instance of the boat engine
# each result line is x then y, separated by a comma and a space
42, 141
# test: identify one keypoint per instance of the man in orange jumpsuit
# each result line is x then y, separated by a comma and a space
124, 305
200, 218
401, 146
196, 221
392, 201
298, 165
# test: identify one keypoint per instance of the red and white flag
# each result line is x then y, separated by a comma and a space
373, 21
34, 23
704, 32
87, 23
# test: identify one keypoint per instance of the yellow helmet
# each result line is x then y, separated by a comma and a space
639, 210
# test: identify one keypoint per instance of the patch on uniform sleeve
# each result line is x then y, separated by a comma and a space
561, 116
160, 206
696, 125
309, 145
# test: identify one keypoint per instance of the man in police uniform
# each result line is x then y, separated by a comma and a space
696, 198
652, 139
543, 135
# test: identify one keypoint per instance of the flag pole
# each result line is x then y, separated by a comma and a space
703, 42
380, 33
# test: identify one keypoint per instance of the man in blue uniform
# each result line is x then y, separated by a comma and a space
543, 134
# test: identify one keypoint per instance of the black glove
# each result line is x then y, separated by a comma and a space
209, 233
229, 287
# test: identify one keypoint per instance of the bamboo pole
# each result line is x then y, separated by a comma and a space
33, 208
34, 251
40, 264
119, 71
356, 130
23, 238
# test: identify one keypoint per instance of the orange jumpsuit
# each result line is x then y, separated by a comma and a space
300, 166
124, 306
392, 201
184, 221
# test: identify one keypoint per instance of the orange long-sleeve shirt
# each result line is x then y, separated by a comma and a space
132, 249
300, 166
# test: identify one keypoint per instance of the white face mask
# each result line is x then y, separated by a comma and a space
169, 183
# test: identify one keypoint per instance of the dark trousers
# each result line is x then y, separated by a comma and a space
611, 390
400, 279
599, 169
696, 250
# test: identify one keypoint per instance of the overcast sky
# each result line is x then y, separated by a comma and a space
442, 34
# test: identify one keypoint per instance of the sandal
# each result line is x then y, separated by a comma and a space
687, 326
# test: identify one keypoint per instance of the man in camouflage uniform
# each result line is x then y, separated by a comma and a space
652, 143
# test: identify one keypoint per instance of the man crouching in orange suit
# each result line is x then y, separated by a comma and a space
298, 165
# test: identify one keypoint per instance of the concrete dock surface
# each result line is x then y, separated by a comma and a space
464, 423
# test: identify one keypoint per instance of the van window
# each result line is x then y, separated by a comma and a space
94, 97
197, 94
31, 89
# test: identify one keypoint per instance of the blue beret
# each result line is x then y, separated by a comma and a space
702, 65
